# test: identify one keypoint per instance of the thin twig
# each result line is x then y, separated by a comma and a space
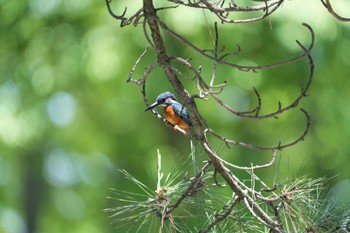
222, 217
235, 8
239, 67
251, 167
329, 7
280, 110
279, 147
191, 188
233, 182
130, 79
248, 202
124, 20
253, 200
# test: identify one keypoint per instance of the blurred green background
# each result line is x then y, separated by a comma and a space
69, 120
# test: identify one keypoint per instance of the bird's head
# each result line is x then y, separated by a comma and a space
162, 99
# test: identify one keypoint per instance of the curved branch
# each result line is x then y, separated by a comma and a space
222, 217
124, 20
222, 10
279, 147
329, 7
242, 193
130, 78
247, 168
235, 183
121, 17
239, 67
280, 110
250, 20
248, 203
144, 28
256, 110
195, 184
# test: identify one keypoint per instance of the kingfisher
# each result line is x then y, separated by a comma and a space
173, 111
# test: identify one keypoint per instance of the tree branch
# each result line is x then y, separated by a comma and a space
242, 193
327, 4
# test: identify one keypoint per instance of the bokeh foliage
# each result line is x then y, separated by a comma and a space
69, 119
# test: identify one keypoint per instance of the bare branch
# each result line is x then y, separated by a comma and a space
124, 20
130, 79
121, 17
279, 147
234, 184
219, 218
329, 7
215, 56
239, 67
196, 183
280, 110
232, 8
248, 202
253, 201
144, 27
223, 15
247, 168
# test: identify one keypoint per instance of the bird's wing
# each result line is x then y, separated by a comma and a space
181, 111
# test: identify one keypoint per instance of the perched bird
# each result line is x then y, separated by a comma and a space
173, 111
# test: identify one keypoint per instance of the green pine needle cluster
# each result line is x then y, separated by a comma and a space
180, 203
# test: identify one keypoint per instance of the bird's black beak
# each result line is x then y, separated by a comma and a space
152, 106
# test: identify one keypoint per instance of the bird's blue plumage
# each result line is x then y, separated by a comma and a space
180, 111
165, 95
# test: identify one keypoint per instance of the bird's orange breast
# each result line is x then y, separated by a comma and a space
174, 119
